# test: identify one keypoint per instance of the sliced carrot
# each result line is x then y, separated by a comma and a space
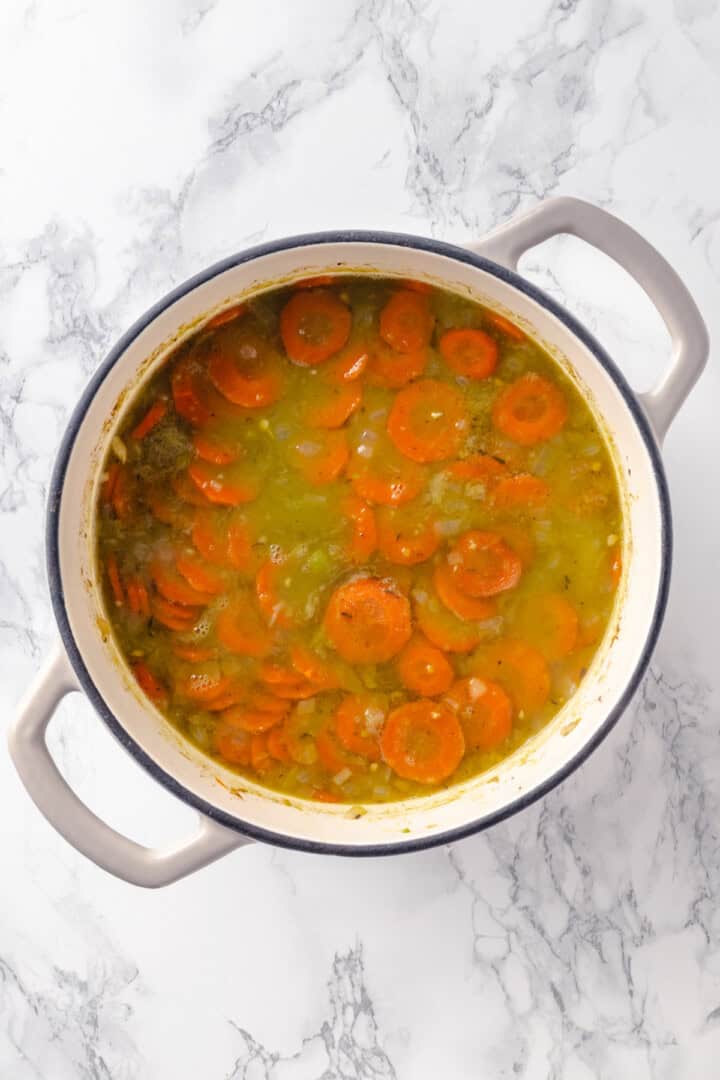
232, 696
175, 588
166, 506
275, 674
314, 326
474, 608
355, 729
550, 623
188, 392
249, 376
213, 449
363, 539
187, 490
471, 353
349, 364
428, 421
334, 757
199, 575
520, 491
149, 684
417, 286
406, 322
484, 711
254, 720
232, 744
225, 485
387, 479
423, 741
263, 701
300, 690
277, 745
151, 419
504, 326
368, 621
442, 627
121, 498
241, 630
478, 467
520, 670
202, 686
530, 410
424, 669
138, 597
393, 369
321, 456
273, 607
174, 616
313, 668
321, 795
483, 564
115, 580
226, 316
194, 654
209, 538
403, 541
332, 405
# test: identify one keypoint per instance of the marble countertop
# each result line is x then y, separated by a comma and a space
139, 142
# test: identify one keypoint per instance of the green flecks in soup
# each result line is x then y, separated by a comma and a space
359, 539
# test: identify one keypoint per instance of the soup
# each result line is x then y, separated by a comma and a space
359, 538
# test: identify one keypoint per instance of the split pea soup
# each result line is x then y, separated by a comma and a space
359, 538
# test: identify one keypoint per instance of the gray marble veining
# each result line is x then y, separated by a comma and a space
140, 142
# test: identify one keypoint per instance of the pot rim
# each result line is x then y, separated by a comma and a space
52, 545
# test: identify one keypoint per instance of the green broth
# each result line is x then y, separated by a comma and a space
150, 506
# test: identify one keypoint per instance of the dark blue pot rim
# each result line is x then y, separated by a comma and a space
56, 587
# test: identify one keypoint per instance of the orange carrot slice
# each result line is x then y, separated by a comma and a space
550, 623
520, 491
483, 564
520, 670
320, 456
188, 393
471, 353
116, 586
403, 541
530, 410
151, 419
174, 587
211, 448
314, 326
428, 421
363, 540
201, 577
423, 741
149, 684
484, 711
406, 322
224, 485
368, 621
424, 669
475, 608
224, 317
355, 727
240, 630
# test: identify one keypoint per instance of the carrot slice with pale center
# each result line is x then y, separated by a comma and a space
441, 626
198, 575
423, 741
332, 405
519, 668
230, 485
424, 669
484, 564
484, 711
406, 322
314, 326
470, 353
368, 621
357, 723
241, 630
248, 375
393, 369
530, 410
428, 421
232, 744
474, 608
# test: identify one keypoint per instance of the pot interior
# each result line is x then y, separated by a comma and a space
205, 783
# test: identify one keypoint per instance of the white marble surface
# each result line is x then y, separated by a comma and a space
140, 141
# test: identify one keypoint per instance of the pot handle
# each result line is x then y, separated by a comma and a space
74, 820
688, 333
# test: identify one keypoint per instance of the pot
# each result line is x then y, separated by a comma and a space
234, 811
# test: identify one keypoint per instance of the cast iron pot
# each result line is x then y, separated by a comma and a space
89, 661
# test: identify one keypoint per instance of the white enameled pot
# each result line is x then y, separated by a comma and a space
233, 812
